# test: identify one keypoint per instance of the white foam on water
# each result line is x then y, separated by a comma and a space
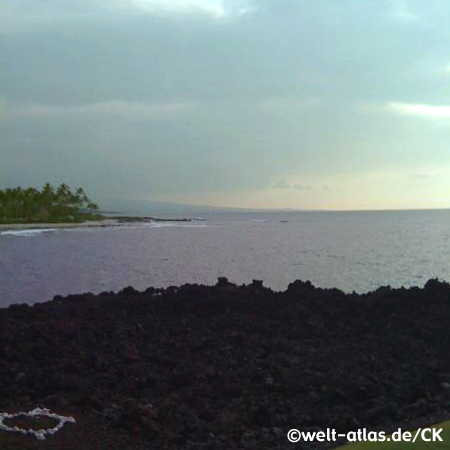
174, 225
159, 225
30, 232
116, 227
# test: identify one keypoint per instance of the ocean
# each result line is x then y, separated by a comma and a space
352, 251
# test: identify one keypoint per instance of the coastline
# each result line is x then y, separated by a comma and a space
229, 366
34, 226
106, 222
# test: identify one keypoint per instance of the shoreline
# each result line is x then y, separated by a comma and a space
230, 366
107, 222
39, 225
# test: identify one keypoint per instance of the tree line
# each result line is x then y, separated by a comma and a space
49, 204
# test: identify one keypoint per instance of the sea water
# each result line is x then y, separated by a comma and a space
353, 251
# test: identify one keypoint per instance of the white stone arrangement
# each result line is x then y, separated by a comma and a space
37, 412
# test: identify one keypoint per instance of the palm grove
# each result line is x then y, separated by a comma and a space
48, 204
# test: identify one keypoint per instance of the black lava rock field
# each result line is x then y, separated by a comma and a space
232, 367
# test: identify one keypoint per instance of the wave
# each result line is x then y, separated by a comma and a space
174, 225
144, 225
28, 232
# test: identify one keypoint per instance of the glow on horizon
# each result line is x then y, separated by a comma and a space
379, 190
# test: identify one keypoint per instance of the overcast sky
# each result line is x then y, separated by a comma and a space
336, 104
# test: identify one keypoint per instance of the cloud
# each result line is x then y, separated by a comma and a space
420, 110
285, 184
424, 175
401, 12
444, 70
31, 15
176, 97
217, 8
290, 105
119, 109
214, 7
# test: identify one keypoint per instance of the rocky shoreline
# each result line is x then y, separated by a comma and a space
99, 223
226, 366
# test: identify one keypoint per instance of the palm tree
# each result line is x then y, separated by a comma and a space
29, 204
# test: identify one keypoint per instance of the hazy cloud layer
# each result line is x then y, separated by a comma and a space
230, 102
421, 110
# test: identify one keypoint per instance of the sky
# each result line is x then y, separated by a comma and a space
324, 104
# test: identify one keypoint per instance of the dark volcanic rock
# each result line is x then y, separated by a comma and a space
224, 366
